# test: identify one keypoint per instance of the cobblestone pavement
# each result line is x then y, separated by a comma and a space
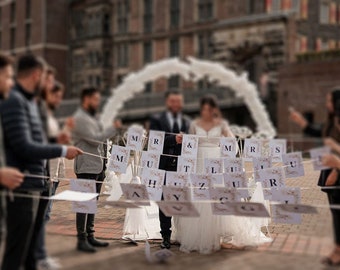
293, 247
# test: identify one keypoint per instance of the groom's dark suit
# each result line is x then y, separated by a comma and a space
161, 122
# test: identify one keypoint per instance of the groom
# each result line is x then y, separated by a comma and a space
174, 123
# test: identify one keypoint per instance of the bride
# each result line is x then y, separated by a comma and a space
206, 233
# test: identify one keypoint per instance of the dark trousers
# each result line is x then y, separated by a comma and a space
2, 224
334, 198
165, 222
40, 252
22, 225
85, 222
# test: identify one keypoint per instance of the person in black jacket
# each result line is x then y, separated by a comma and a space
170, 121
329, 177
27, 150
10, 178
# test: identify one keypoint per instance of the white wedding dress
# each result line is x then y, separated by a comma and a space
205, 234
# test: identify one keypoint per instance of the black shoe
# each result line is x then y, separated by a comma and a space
84, 245
166, 242
94, 242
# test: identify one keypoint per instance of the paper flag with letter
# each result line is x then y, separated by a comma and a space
213, 165
85, 186
297, 208
278, 147
134, 140
200, 186
154, 180
186, 164
177, 179
176, 193
261, 163
119, 159
293, 165
74, 196
272, 177
246, 209
232, 165
235, 180
316, 155
156, 141
150, 160
183, 209
136, 193
228, 147
189, 146
252, 148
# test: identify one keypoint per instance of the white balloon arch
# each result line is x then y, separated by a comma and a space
194, 70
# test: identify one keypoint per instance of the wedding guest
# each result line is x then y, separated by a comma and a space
174, 123
330, 176
10, 178
51, 97
88, 134
27, 150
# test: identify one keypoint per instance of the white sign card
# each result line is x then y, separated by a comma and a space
261, 163
277, 147
177, 179
200, 186
228, 147
136, 193
186, 164
119, 159
175, 193
246, 209
183, 209
74, 196
235, 180
293, 165
189, 146
232, 165
150, 160
156, 141
271, 178
316, 155
213, 165
252, 148
286, 195
154, 180
297, 208
135, 138
86, 186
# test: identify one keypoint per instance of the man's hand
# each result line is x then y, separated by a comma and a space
179, 138
117, 124
298, 119
64, 138
11, 178
69, 123
331, 161
72, 152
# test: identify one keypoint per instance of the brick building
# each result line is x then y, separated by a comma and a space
36, 26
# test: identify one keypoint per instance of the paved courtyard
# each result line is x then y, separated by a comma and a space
293, 247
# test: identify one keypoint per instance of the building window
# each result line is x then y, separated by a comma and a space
123, 16
28, 34
12, 12
107, 59
106, 24
304, 9
174, 47
148, 7
148, 87
173, 82
12, 38
122, 55
201, 46
28, 9
205, 45
324, 12
174, 13
98, 81
322, 45
276, 5
205, 9
147, 48
251, 6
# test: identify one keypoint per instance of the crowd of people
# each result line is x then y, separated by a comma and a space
33, 146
